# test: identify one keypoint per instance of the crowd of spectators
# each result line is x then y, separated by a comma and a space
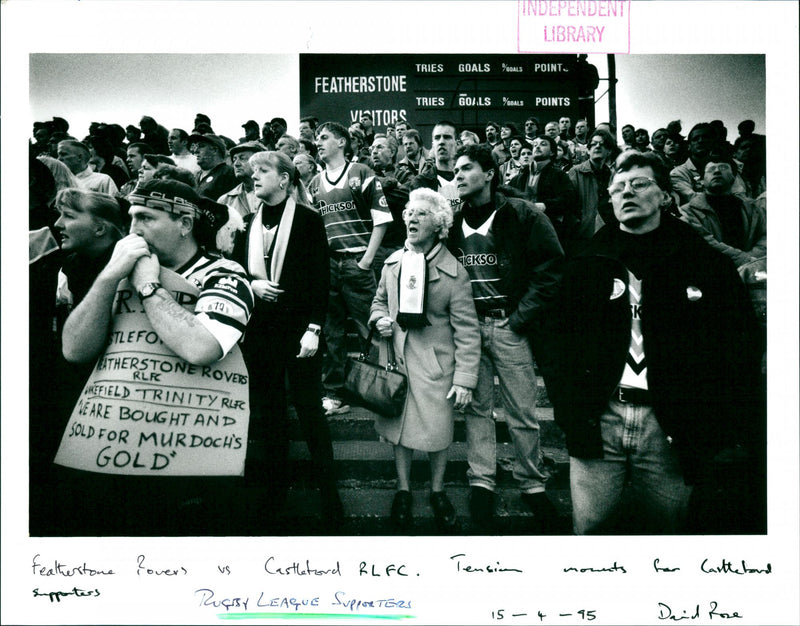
539, 202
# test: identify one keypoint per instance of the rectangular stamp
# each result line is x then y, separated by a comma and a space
573, 26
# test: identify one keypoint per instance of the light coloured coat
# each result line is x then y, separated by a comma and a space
434, 358
700, 216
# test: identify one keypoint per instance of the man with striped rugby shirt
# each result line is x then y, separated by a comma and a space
350, 200
199, 318
171, 227
512, 255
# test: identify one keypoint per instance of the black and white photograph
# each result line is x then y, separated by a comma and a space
326, 332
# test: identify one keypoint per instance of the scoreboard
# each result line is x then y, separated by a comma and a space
467, 89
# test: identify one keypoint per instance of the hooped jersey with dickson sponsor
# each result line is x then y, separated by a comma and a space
478, 255
350, 206
225, 301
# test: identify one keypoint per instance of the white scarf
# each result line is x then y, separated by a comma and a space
413, 288
256, 252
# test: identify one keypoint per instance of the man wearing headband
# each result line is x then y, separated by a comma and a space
168, 337
171, 226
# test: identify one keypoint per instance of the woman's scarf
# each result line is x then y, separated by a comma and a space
413, 288
256, 252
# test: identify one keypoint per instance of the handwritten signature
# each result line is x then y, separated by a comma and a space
666, 612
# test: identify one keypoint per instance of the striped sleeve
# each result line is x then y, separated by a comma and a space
225, 304
372, 191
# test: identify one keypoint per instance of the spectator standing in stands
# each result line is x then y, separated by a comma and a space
731, 224
647, 401
642, 140
467, 137
752, 150
151, 164
288, 145
531, 129
628, 138
437, 173
216, 177
562, 161
549, 188
493, 134
401, 127
369, 128
350, 200
507, 131
673, 149
511, 168
438, 317
687, 178
306, 168
155, 135
285, 253
394, 183
658, 142
512, 255
133, 133
525, 155
580, 142
178, 141
75, 155
134, 159
278, 126
359, 152
564, 128
171, 228
103, 154
242, 198
590, 180
307, 129
252, 131
414, 157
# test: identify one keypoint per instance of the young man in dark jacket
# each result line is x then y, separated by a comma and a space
513, 258
656, 363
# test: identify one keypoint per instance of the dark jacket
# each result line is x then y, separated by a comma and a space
699, 336
393, 181
426, 178
555, 190
219, 180
305, 277
527, 243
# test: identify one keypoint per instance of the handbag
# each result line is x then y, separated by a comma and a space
380, 388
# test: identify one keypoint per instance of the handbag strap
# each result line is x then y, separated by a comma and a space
391, 365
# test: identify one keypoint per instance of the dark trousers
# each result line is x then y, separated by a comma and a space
270, 350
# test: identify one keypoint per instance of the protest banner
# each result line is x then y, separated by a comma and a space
146, 411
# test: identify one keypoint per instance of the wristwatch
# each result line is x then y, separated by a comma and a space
148, 289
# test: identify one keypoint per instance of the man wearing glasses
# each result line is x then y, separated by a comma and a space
656, 361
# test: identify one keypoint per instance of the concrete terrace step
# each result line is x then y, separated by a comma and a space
372, 463
358, 424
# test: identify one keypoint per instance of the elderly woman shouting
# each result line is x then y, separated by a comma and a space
424, 304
